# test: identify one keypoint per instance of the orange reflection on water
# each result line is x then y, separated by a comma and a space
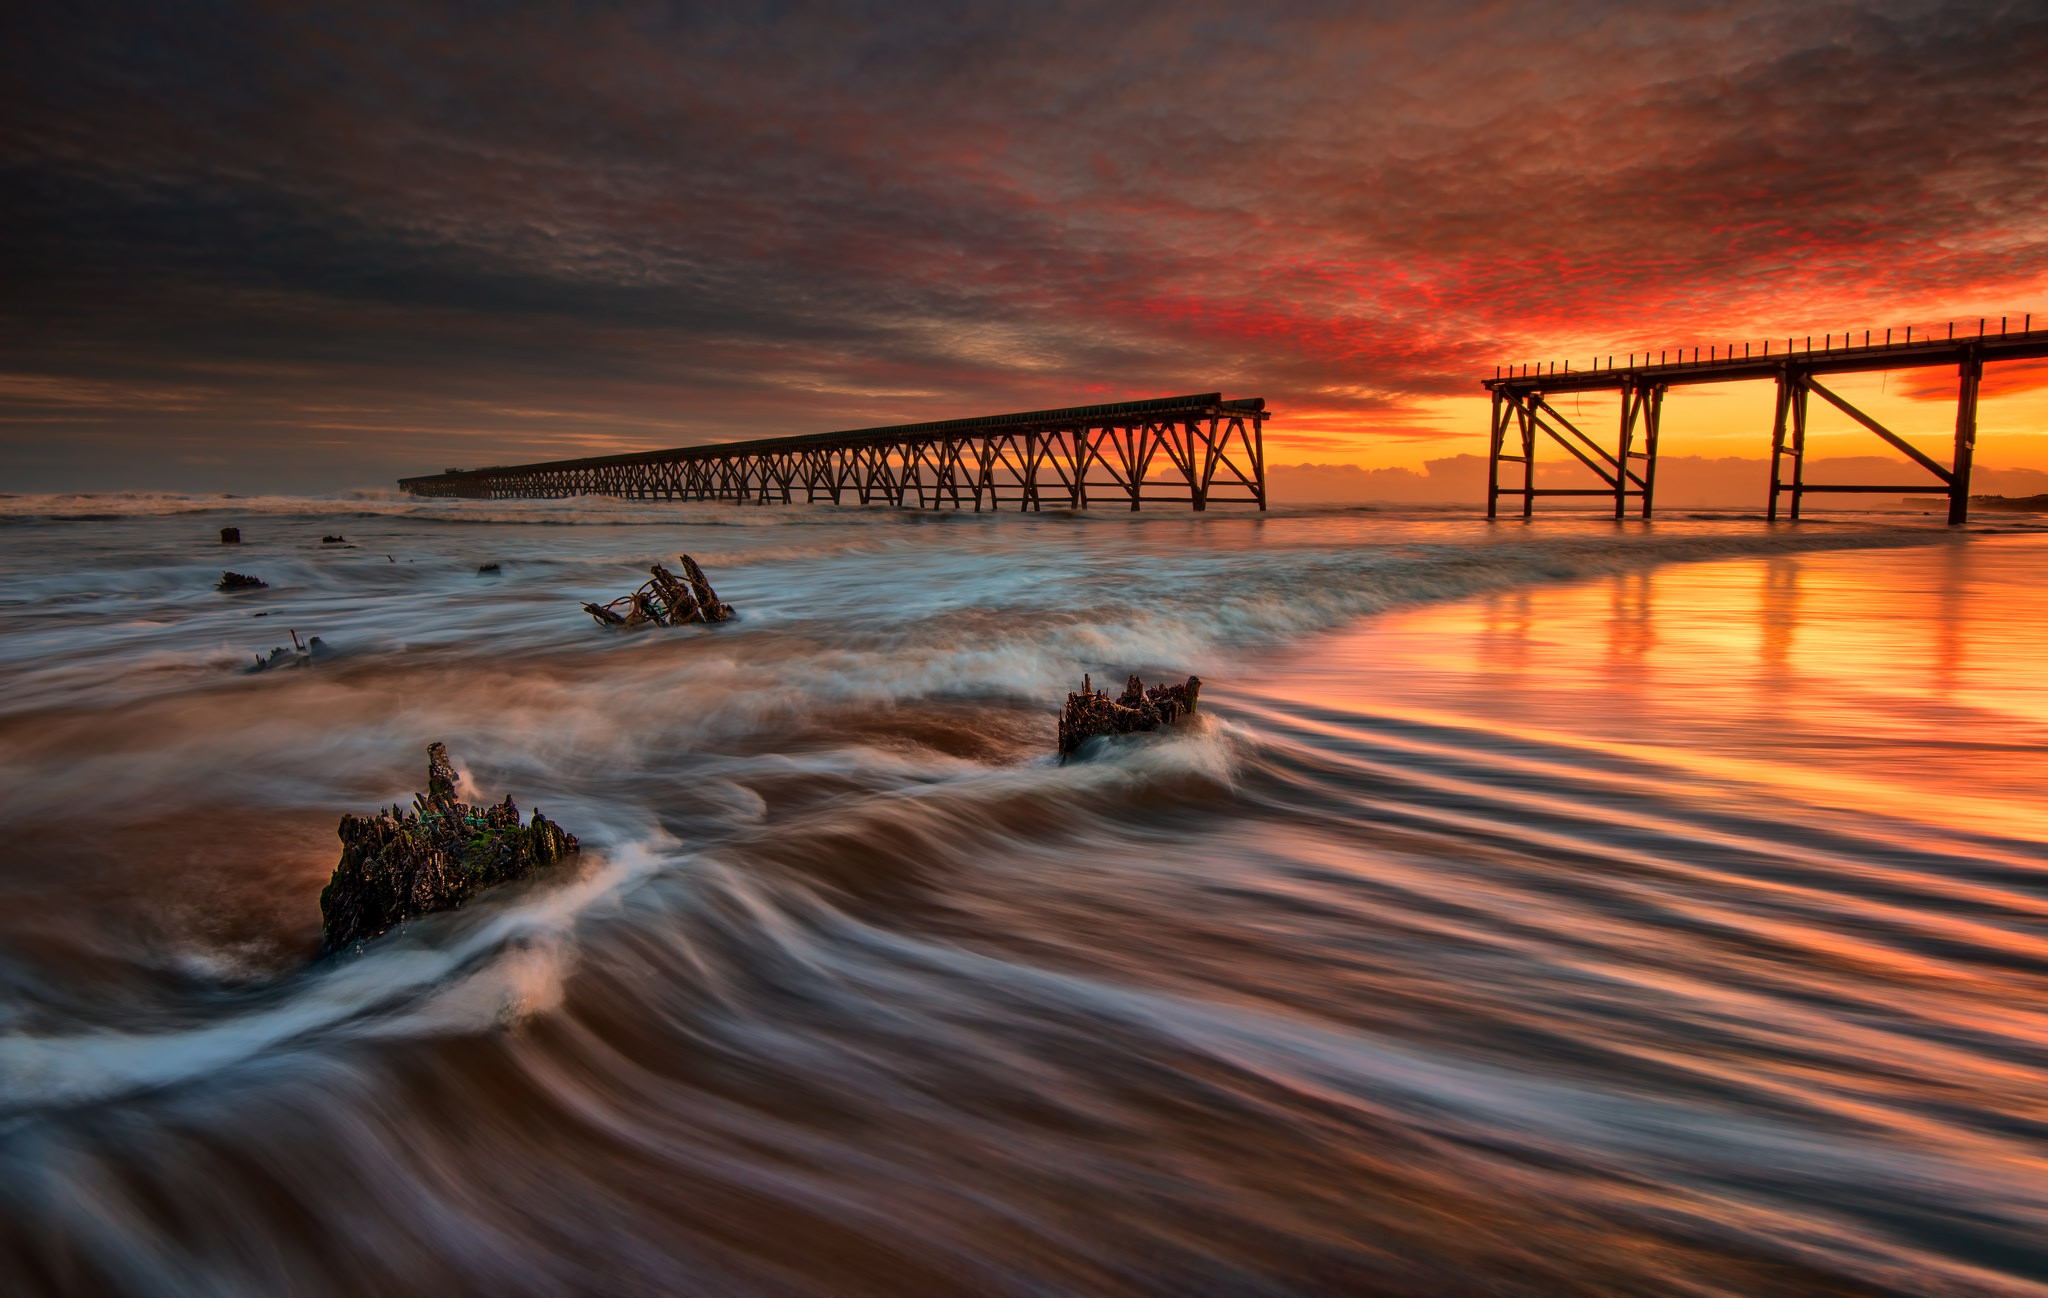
1903, 681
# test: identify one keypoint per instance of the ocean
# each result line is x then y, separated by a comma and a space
1557, 908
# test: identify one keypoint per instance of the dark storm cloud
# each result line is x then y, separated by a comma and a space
391, 229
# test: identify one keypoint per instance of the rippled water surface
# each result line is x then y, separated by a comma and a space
1548, 909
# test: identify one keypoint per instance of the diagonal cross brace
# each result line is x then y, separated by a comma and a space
1540, 407
1537, 418
1913, 452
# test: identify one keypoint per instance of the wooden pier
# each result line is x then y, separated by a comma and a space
1195, 450
1522, 409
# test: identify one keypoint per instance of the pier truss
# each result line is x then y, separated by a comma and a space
1523, 414
1193, 450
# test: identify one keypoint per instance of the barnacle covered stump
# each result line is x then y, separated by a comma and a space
1092, 712
399, 863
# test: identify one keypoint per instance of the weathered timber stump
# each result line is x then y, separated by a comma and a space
399, 863
240, 581
667, 600
1092, 712
301, 654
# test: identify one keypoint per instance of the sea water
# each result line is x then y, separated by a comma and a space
1566, 907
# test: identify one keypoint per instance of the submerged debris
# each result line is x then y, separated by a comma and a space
668, 600
240, 581
231, 536
398, 863
1092, 712
301, 654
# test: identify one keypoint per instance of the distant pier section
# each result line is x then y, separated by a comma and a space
1523, 415
1195, 450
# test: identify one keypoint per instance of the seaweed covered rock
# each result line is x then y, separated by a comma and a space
1092, 712
240, 581
398, 863
667, 600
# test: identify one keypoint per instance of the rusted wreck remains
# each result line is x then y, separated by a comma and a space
397, 863
1092, 712
667, 600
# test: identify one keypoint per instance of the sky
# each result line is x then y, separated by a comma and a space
254, 246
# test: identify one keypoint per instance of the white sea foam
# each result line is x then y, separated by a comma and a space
507, 960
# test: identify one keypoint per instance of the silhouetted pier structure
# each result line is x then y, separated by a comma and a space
1521, 406
1194, 450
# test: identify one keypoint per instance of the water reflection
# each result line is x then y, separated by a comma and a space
1904, 680
1777, 618
1631, 627
1949, 615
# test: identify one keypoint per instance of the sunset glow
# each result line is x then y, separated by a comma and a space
268, 248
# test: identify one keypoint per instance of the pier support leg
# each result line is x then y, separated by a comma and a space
1497, 431
1138, 456
1972, 372
1778, 443
1799, 393
1653, 418
1630, 398
1259, 457
1527, 411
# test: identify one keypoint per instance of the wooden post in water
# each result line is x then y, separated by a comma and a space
1629, 396
1498, 431
1653, 417
1528, 414
1798, 443
1972, 373
1778, 440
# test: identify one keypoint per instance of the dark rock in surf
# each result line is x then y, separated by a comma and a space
240, 581
483, 568
231, 536
668, 600
334, 540
1092, 712
399, 863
